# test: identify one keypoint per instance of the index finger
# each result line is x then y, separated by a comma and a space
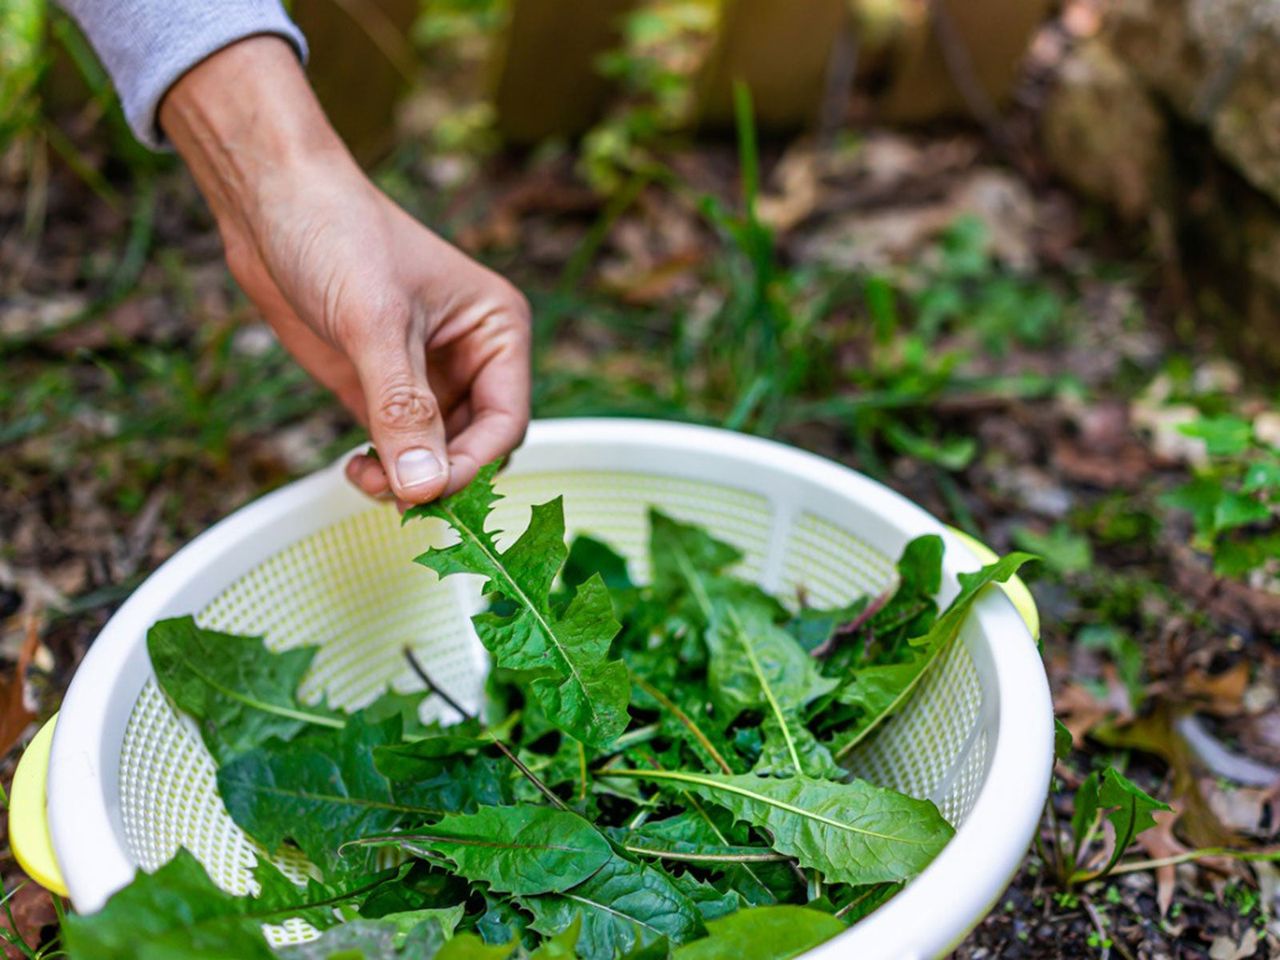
499, 398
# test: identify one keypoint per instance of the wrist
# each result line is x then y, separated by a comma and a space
243, 118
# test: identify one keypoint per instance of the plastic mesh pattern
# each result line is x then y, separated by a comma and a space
351, 590
933, 747
831, 566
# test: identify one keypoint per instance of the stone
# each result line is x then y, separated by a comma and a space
1123, 161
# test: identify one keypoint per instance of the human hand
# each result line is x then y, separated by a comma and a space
426, 347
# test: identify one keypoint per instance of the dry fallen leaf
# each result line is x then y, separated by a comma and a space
1159, 842
1223, 692
1226, 948
16, 711
31, 910
1079, 710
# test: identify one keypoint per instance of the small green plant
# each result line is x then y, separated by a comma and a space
965, 285
654, 69
1234, 500
1078, 851
17, 942
1077, 854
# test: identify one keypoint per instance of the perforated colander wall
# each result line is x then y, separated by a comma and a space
352, 591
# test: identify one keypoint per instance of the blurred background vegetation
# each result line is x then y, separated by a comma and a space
1019, 259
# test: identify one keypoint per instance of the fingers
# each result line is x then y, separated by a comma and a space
499, 402
405, 420
366, 474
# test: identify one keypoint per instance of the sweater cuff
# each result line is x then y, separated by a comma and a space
152, 45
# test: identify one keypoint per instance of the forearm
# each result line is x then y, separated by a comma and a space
147, 45
243, 117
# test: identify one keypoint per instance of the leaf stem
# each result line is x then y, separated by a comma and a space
1202, 853
850, 629
684, 719
767, 688
693, 856
507, 752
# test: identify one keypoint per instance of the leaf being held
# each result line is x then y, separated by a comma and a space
582, 691
239, 693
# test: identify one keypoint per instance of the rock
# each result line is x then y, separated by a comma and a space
1217, 64
1122, 161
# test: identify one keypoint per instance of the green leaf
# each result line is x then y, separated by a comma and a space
1061, 549
178, 913
467, 946
755, 664
1130, 810
559, 947
1084, 813
707, 828
588, 556
623, 906
1200, 499
444, 769
885, 691
851, 832
1239, 510
414, 935
1261, 476
763, 933
520, 849
689, 572
1222, 436
319, 793
239, 693
1062, 740
582, 691
646, 844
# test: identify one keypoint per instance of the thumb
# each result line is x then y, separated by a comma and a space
405, 424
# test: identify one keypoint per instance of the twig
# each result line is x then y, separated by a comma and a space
842, 67
506, 751
955, 52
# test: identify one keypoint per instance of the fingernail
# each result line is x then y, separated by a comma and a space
417, 466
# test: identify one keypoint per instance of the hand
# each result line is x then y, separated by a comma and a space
426, 347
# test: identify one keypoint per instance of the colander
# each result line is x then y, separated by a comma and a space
129, 780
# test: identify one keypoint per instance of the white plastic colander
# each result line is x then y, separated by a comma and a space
129, 781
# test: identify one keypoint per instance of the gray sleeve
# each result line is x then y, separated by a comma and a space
146, 45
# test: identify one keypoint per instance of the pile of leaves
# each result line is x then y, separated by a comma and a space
657, 772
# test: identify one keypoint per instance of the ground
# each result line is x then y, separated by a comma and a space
949, 322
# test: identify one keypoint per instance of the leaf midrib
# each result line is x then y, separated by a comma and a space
648, 925
759, 797
457, 523
758, 670
264, 707
495, 844
340, 800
